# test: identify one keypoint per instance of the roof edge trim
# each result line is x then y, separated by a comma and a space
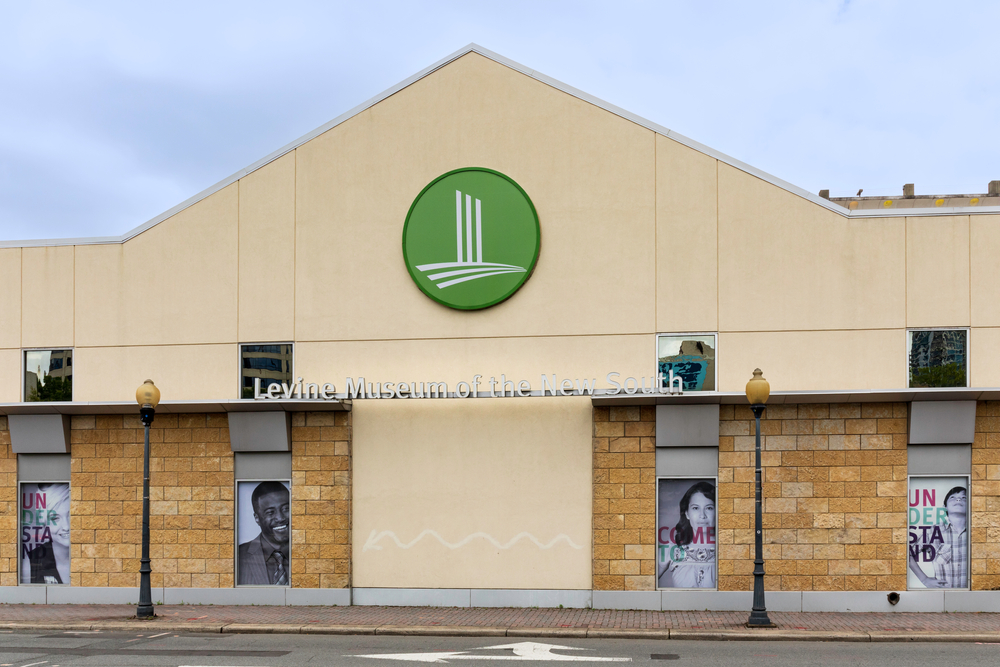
559, 85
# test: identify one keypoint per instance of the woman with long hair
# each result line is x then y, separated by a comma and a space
692, 561
47, 561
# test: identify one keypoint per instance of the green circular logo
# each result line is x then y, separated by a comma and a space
471, 238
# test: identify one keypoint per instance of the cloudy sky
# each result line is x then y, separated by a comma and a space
113, 112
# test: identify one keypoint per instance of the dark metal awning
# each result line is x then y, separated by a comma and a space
173, 407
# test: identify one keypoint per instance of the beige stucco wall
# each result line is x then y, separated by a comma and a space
467, 487
267, 253
181, 372
814, 360
984, 239
639, 234
589, 174
47, 296
785, 264
687, 225
937, 271
10, 298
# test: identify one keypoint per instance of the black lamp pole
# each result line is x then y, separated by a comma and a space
145, 608
148, 397
758, 614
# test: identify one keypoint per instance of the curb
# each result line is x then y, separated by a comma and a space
688, 634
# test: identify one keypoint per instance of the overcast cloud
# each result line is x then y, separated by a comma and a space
111, 113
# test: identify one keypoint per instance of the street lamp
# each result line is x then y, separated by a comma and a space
758, 390
148, 397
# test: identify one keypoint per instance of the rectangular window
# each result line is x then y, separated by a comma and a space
689, 357
263, 533
685, 533
938, 532
938, 357
48, 375
44, 518
271, 364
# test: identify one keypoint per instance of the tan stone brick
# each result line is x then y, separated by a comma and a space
861, 426
624, 567
609, 430
609, 582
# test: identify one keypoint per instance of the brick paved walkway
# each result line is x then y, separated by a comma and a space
524, 618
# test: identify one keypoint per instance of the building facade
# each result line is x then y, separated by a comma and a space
484, 341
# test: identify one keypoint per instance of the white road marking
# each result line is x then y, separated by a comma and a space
159, 635
522, 651
43, 662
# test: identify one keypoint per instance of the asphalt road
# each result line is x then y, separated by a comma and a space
211, 650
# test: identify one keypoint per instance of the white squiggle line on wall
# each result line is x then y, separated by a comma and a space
375, 537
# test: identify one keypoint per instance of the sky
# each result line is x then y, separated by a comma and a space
113, 112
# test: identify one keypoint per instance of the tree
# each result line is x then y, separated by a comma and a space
54, 389
946, 375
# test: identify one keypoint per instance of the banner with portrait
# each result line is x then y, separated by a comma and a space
938, 533
43, 511
263, 533
685, 529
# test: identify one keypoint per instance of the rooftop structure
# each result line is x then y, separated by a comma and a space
911, 200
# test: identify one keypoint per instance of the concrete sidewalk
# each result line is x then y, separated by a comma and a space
506, 622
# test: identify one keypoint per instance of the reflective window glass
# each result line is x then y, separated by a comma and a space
271, 364
690, 357
938, 358
48, 375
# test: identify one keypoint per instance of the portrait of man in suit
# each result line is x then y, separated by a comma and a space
263, 559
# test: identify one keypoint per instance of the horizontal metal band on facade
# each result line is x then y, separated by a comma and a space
599, 398
795, 397
676, 600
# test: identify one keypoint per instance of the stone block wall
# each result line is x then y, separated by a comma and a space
190, 494
321, 500
985, 498
624, 498
8, 509
834, 490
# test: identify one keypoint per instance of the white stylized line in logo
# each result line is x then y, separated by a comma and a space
470, 265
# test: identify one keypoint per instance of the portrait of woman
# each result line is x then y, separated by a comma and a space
45, 533
687, 551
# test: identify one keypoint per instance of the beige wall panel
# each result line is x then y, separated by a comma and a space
937, 271
186, 269
454, 494
182, 372
267, 252
985, 270
814, 360
589, 173
100, 296
10, 370
10, 297
788, 264
687, 294
47, 296
984, 357
452, 361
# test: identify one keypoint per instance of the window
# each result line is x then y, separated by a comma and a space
270, 364
48, 375
690, 357
938, 357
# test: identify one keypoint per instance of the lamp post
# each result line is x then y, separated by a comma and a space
758, 390
148, 397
